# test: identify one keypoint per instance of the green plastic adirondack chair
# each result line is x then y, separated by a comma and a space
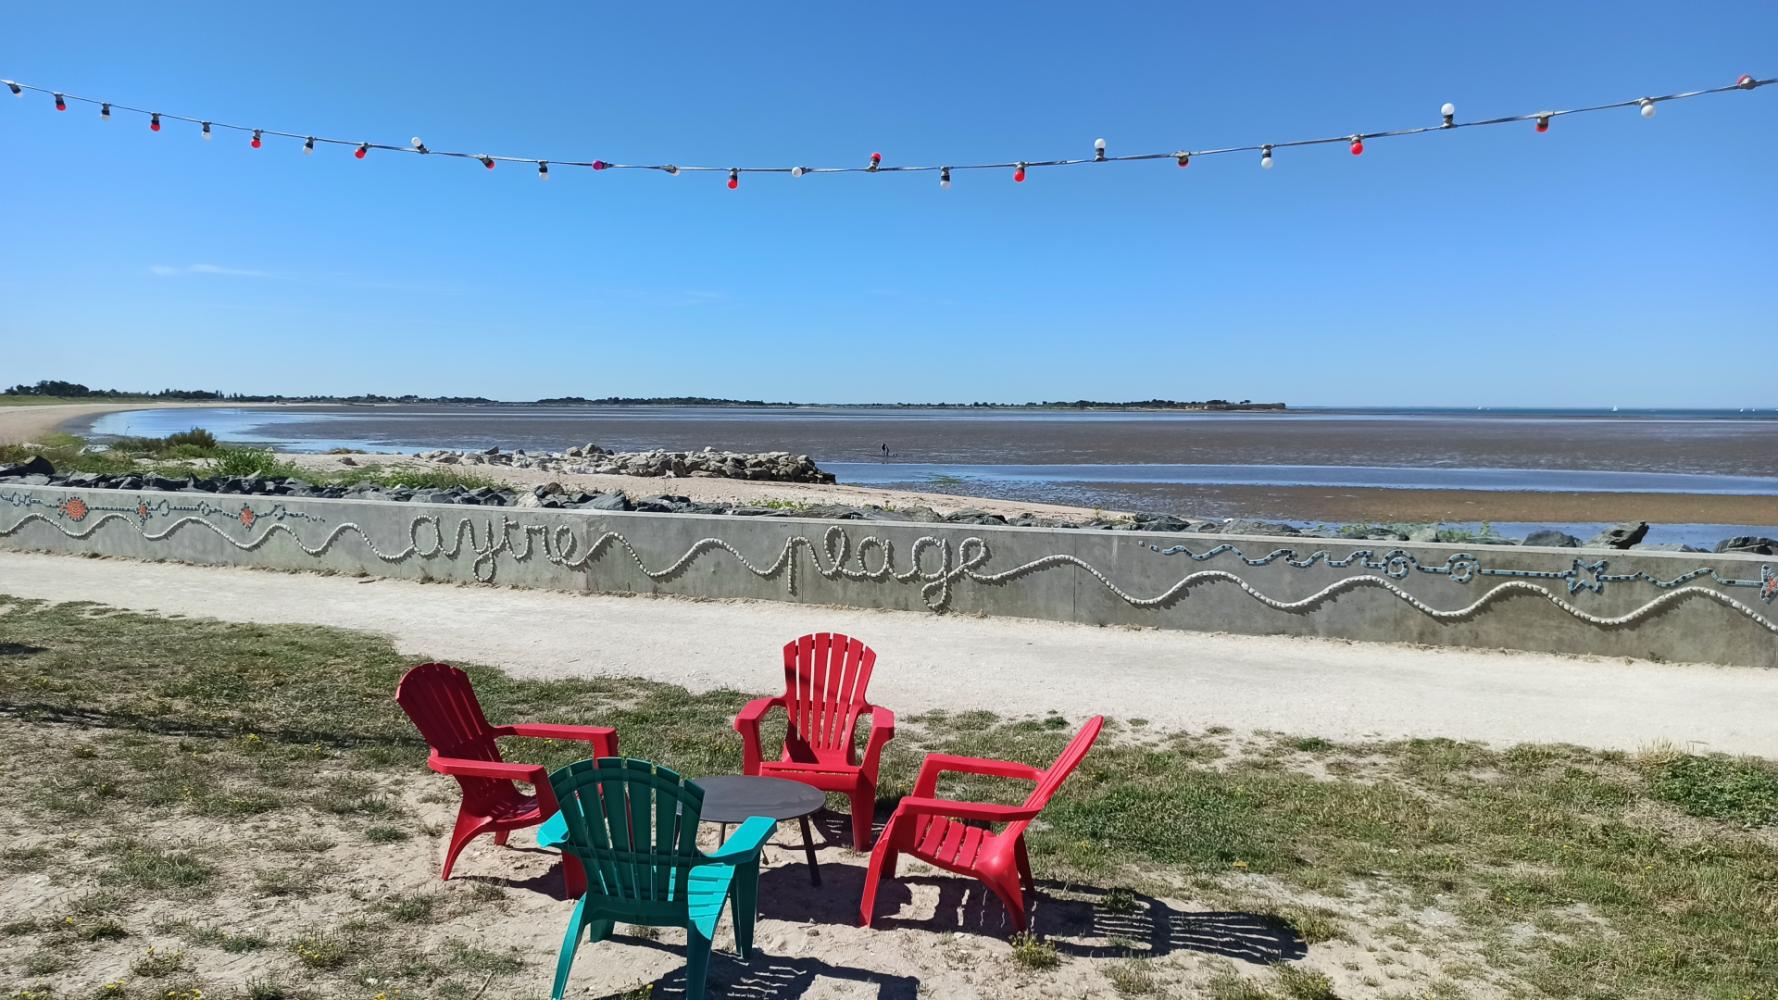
633, 826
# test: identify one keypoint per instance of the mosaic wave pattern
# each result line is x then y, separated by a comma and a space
931, 561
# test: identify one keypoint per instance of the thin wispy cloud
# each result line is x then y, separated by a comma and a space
174, 271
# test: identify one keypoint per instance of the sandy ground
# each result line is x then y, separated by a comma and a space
738, 491
1329, 688
936, 934
28, 422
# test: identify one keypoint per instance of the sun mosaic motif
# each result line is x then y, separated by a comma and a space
932, 562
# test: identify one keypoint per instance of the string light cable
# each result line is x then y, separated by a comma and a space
1355, 140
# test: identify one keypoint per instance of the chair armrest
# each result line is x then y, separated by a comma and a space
602, 738
747, 724
882, 730
963, 810
532, 774
743, 845
459, 767
936, 764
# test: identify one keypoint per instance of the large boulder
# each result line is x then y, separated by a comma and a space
1244, 526
1754, 544
1555, 539
1620, 536
37, 466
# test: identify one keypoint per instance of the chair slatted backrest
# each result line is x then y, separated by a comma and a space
440, 701
634, 827
1058, 772
443, 707
826, 676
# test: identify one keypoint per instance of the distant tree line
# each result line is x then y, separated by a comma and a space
53, 387
654, 401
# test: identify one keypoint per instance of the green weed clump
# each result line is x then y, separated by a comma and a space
1741, 791
253, 462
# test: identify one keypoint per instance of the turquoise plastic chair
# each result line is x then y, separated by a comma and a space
632, 825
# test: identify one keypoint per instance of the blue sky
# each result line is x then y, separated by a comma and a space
1612, 261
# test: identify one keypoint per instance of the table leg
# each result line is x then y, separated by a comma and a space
809, 848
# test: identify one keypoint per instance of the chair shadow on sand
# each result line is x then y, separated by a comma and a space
1082, 921
767, 977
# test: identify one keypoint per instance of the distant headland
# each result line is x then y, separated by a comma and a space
55, 389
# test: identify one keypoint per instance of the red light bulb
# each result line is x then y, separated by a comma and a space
1018, 175
1357, 146
362, 149
875, 160
488, 161
256, 143
1543, 124
61, 105
154, 123
599, 164
1185, 159
734, 179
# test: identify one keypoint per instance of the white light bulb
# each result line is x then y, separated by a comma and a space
1448, 109
309, 146
1648, 108
1265, 158
206, 131
944, 178
796, 171
415, 142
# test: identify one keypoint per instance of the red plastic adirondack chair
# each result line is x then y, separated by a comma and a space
825, 677
442, 704
933, 829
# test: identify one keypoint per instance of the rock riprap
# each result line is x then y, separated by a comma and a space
590, 459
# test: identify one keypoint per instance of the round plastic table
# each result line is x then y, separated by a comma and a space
732, 798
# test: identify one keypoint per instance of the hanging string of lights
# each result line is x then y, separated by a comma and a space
1355, 140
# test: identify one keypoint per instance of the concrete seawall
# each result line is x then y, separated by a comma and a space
1658, 605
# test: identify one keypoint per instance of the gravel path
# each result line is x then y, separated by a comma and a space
1329, 688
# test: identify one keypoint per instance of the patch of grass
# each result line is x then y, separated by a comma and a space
385, 834
99, 929
145, 867
320, 951
157, 964
414, 908
1132, 977
23, 859
1118, 900
1228, 984
282, 882
259, 462
1316, 925
211, 936
480, 961
1299, 983
1741, 791
408, 477
45, 962
269, 989
1032, 952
